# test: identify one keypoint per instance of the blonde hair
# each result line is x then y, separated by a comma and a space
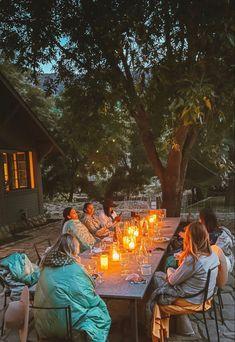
196, 242
67, 244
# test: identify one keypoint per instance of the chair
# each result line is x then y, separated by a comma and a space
16, 315
6, 292
221, 304
40, 248
203, 310
68, 318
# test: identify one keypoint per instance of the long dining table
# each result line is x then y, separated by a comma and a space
116, 287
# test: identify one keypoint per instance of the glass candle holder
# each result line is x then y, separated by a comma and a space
104, 262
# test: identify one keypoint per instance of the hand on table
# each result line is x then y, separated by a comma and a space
102, 232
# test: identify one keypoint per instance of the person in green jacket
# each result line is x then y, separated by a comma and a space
64, 281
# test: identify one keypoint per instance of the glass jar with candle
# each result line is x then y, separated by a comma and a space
115, 253
104, 262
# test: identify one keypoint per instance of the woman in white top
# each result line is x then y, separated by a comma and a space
108, 217
172, 295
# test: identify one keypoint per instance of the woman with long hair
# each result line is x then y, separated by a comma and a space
219, 235
64, 282
75, 227
173, 289
108, 217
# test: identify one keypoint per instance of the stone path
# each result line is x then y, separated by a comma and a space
119, 333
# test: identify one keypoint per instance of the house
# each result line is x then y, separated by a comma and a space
24, 141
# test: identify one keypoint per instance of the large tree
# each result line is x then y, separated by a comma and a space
167, 63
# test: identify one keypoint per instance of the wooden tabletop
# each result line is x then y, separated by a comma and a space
115, 286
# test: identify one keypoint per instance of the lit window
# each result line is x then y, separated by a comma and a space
18, 171
6, 174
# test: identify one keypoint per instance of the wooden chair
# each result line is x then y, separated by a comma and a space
40, 247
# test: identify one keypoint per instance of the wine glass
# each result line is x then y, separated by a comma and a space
92, 267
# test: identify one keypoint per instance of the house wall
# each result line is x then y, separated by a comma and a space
13, 203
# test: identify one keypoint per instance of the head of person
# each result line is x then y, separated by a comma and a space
208, 218
108, 206
66, 244
69, 213
196, 241
88, 208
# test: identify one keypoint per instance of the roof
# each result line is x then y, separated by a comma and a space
38, 129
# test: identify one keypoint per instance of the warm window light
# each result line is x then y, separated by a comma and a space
6, 174
31, 170
16, 182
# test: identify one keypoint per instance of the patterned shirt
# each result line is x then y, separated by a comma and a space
77, 229
92, 222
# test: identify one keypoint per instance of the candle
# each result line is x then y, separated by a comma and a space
136, 232
104, 261
131, 245
116, 255
125, 241
130, 230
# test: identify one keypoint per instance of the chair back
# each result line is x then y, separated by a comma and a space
206, 288
17, 315
68, 319
40, 247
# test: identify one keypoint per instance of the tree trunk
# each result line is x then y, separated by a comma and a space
172, 191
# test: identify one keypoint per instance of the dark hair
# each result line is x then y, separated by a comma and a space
66, 213
86, 205
209, 219
107, 211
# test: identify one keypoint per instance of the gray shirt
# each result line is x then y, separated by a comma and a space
191, 278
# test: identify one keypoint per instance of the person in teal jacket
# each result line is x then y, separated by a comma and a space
75, 227
64, 281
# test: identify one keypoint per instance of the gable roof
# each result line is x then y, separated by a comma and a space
38, 131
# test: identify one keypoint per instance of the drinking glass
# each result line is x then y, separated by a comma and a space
124, 262
92, 267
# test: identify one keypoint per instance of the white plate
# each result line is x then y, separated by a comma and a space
161, 239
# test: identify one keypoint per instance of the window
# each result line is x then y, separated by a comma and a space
18, 171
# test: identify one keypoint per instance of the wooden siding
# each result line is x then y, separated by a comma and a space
15, 202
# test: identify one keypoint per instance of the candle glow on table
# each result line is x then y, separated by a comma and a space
131, 245
104, 261
115, 255
125, 241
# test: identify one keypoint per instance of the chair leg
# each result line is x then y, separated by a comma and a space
216, 321
220, 298
3, 321
220, 306
207, 332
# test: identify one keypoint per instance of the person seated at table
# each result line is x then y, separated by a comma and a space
108, 217
74, 226
92, 222
64, 282
219, 235
173, 288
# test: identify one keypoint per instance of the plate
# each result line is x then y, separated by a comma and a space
161, 239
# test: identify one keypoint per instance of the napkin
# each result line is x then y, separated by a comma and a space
107, 239
135, 278
97, 250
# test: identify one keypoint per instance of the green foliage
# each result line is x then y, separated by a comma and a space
147, 60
